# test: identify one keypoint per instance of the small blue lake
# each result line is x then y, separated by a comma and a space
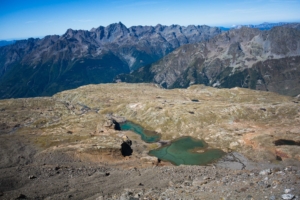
146, 135
182, 151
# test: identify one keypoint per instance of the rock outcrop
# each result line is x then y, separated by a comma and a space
247, 121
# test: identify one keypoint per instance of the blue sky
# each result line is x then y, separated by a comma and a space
35, 18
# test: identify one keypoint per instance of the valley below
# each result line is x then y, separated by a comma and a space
69, 146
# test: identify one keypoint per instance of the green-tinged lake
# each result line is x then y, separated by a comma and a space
146, 135
183, 151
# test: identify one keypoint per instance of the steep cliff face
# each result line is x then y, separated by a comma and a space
250, 58
36, 67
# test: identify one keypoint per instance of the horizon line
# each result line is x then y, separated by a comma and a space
220, 26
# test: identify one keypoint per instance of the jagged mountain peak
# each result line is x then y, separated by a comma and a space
81, 57
175, 26
121, 24
69, 32
118, 25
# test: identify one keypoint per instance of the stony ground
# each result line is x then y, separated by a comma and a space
83, 181
65, 146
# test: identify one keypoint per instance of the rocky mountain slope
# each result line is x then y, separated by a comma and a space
245, 57
39, 67
65, 146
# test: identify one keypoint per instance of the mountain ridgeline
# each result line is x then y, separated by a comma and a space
172, 56
42, 67
246, 57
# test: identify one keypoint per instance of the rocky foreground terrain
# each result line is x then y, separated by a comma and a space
66, 146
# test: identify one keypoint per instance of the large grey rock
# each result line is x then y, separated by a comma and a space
287, 196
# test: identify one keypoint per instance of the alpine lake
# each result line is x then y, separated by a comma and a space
181, 151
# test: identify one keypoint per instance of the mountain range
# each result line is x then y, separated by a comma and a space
42, 67
268, 26
172, 56
73, 145
245, 57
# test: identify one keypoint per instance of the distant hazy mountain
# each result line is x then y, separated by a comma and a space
37, 67
265, 25
245, 57
293, 25
5, 42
